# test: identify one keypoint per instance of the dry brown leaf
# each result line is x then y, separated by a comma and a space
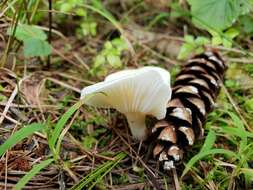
31, 87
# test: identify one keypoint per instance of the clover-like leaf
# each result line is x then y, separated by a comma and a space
34, 40
24, 32
36, 47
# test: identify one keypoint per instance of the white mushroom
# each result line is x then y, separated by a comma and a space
135, 93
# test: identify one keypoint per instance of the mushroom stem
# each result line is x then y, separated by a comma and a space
136, 122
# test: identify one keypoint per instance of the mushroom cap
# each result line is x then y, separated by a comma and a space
145, 90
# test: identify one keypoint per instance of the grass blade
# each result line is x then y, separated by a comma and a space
61, 123
201, 155
20, 135
99, 173
210, 139
36, 169
119, 158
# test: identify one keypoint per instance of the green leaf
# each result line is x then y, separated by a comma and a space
108, 45
192, 45
36, 47
217, 14
225, 38
24, 32
189, 39
89, 28
114, 60
200, 40
120, 44
20, 135
36, 169
34, 39
81, 12
66, 7
185, 51
99, 60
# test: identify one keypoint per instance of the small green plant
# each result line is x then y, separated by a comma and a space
88, 26
192, 45
34, 40
110, 54
71, 6
226, 38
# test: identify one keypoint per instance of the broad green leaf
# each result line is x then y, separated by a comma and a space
24, 32
36, 47
217, 14
36, 169
20, 135
34, 39
201, 155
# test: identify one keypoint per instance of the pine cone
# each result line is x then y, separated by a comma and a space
193, 95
